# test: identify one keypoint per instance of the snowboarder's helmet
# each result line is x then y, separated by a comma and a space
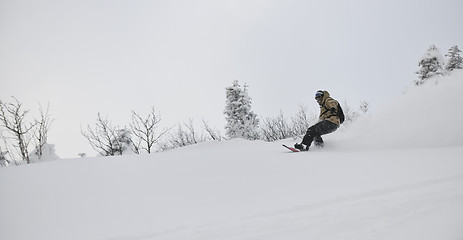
319, 94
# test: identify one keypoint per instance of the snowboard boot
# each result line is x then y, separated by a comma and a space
301, 147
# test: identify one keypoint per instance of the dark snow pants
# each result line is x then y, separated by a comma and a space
315, 132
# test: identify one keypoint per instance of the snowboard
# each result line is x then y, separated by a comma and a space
291, 148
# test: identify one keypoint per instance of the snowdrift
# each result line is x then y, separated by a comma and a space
426, 116
396, 175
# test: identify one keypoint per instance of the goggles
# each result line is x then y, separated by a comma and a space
318, 95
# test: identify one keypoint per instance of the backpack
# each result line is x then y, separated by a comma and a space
340, 114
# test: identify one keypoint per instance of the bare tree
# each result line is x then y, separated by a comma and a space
214, 134
182, 138
146, 131
302, 121
349, 114
273, 129
279, 127
8, 155
364, 107
107, 139
4, 162
19, 133
43, 126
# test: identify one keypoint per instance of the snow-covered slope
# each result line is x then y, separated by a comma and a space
379, 179
239, 190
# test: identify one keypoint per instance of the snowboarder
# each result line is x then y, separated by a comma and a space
331, 116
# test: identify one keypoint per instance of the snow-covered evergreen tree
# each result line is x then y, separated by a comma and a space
455, 60
242, 122
43, 153
431, 64
123, 142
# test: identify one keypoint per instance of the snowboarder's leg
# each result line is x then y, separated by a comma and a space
318, 141
314, 133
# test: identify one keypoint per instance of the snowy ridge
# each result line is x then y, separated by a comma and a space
395, 175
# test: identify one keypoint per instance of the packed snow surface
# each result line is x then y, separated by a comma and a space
397, 174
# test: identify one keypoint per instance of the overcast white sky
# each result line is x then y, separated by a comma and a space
85, 57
